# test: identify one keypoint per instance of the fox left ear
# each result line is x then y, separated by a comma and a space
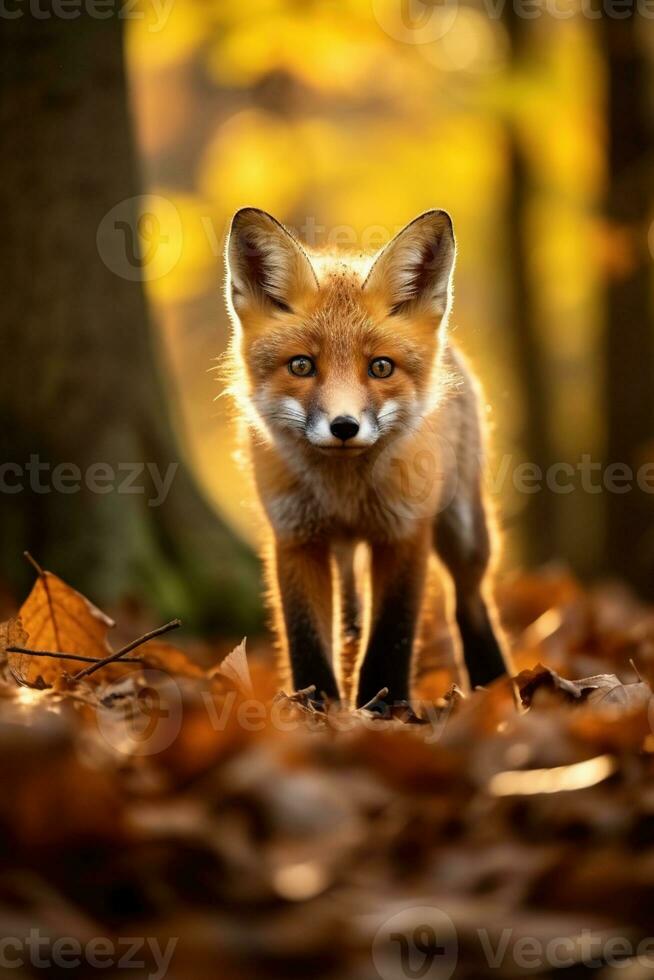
416, 266
267, 267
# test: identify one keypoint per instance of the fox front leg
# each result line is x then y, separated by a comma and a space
398, 573
305, 590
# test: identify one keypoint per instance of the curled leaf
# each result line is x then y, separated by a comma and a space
235, 668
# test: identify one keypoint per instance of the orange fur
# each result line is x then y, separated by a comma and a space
403, 476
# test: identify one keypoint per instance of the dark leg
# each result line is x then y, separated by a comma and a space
463, 545
305, 586
398, 576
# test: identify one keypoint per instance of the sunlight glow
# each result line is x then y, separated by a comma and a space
28, 696
298, 882
530, 782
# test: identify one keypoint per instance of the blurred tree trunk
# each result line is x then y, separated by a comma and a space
629, 347
79, 382
539, 526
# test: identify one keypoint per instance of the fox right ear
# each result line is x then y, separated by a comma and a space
266, 266
415, 268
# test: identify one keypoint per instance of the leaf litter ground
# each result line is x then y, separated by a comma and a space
469, 836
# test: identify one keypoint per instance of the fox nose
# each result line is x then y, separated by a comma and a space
344, 427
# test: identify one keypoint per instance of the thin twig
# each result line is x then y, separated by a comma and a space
300, 697
35, 565
378, 698
87, 671
305, 692
69, 656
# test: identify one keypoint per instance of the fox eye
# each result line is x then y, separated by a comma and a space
302, 367
381, 367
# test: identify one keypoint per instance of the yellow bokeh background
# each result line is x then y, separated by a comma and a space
349, 119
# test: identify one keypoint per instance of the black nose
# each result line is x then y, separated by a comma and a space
344, 427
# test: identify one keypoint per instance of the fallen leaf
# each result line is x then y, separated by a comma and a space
235, 668
12, 634
59, 619
602, 689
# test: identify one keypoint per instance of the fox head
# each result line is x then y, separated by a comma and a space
335, 353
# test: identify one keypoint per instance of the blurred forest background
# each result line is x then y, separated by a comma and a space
344, 119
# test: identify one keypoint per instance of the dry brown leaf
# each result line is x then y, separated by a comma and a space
600, 689
57, 618
542, 678
607, 689
12, 634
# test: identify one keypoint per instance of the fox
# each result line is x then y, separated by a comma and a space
363, 429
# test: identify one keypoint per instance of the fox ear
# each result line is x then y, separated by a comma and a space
266, 265
416, 266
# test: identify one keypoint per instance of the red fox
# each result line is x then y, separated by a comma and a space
349, 384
